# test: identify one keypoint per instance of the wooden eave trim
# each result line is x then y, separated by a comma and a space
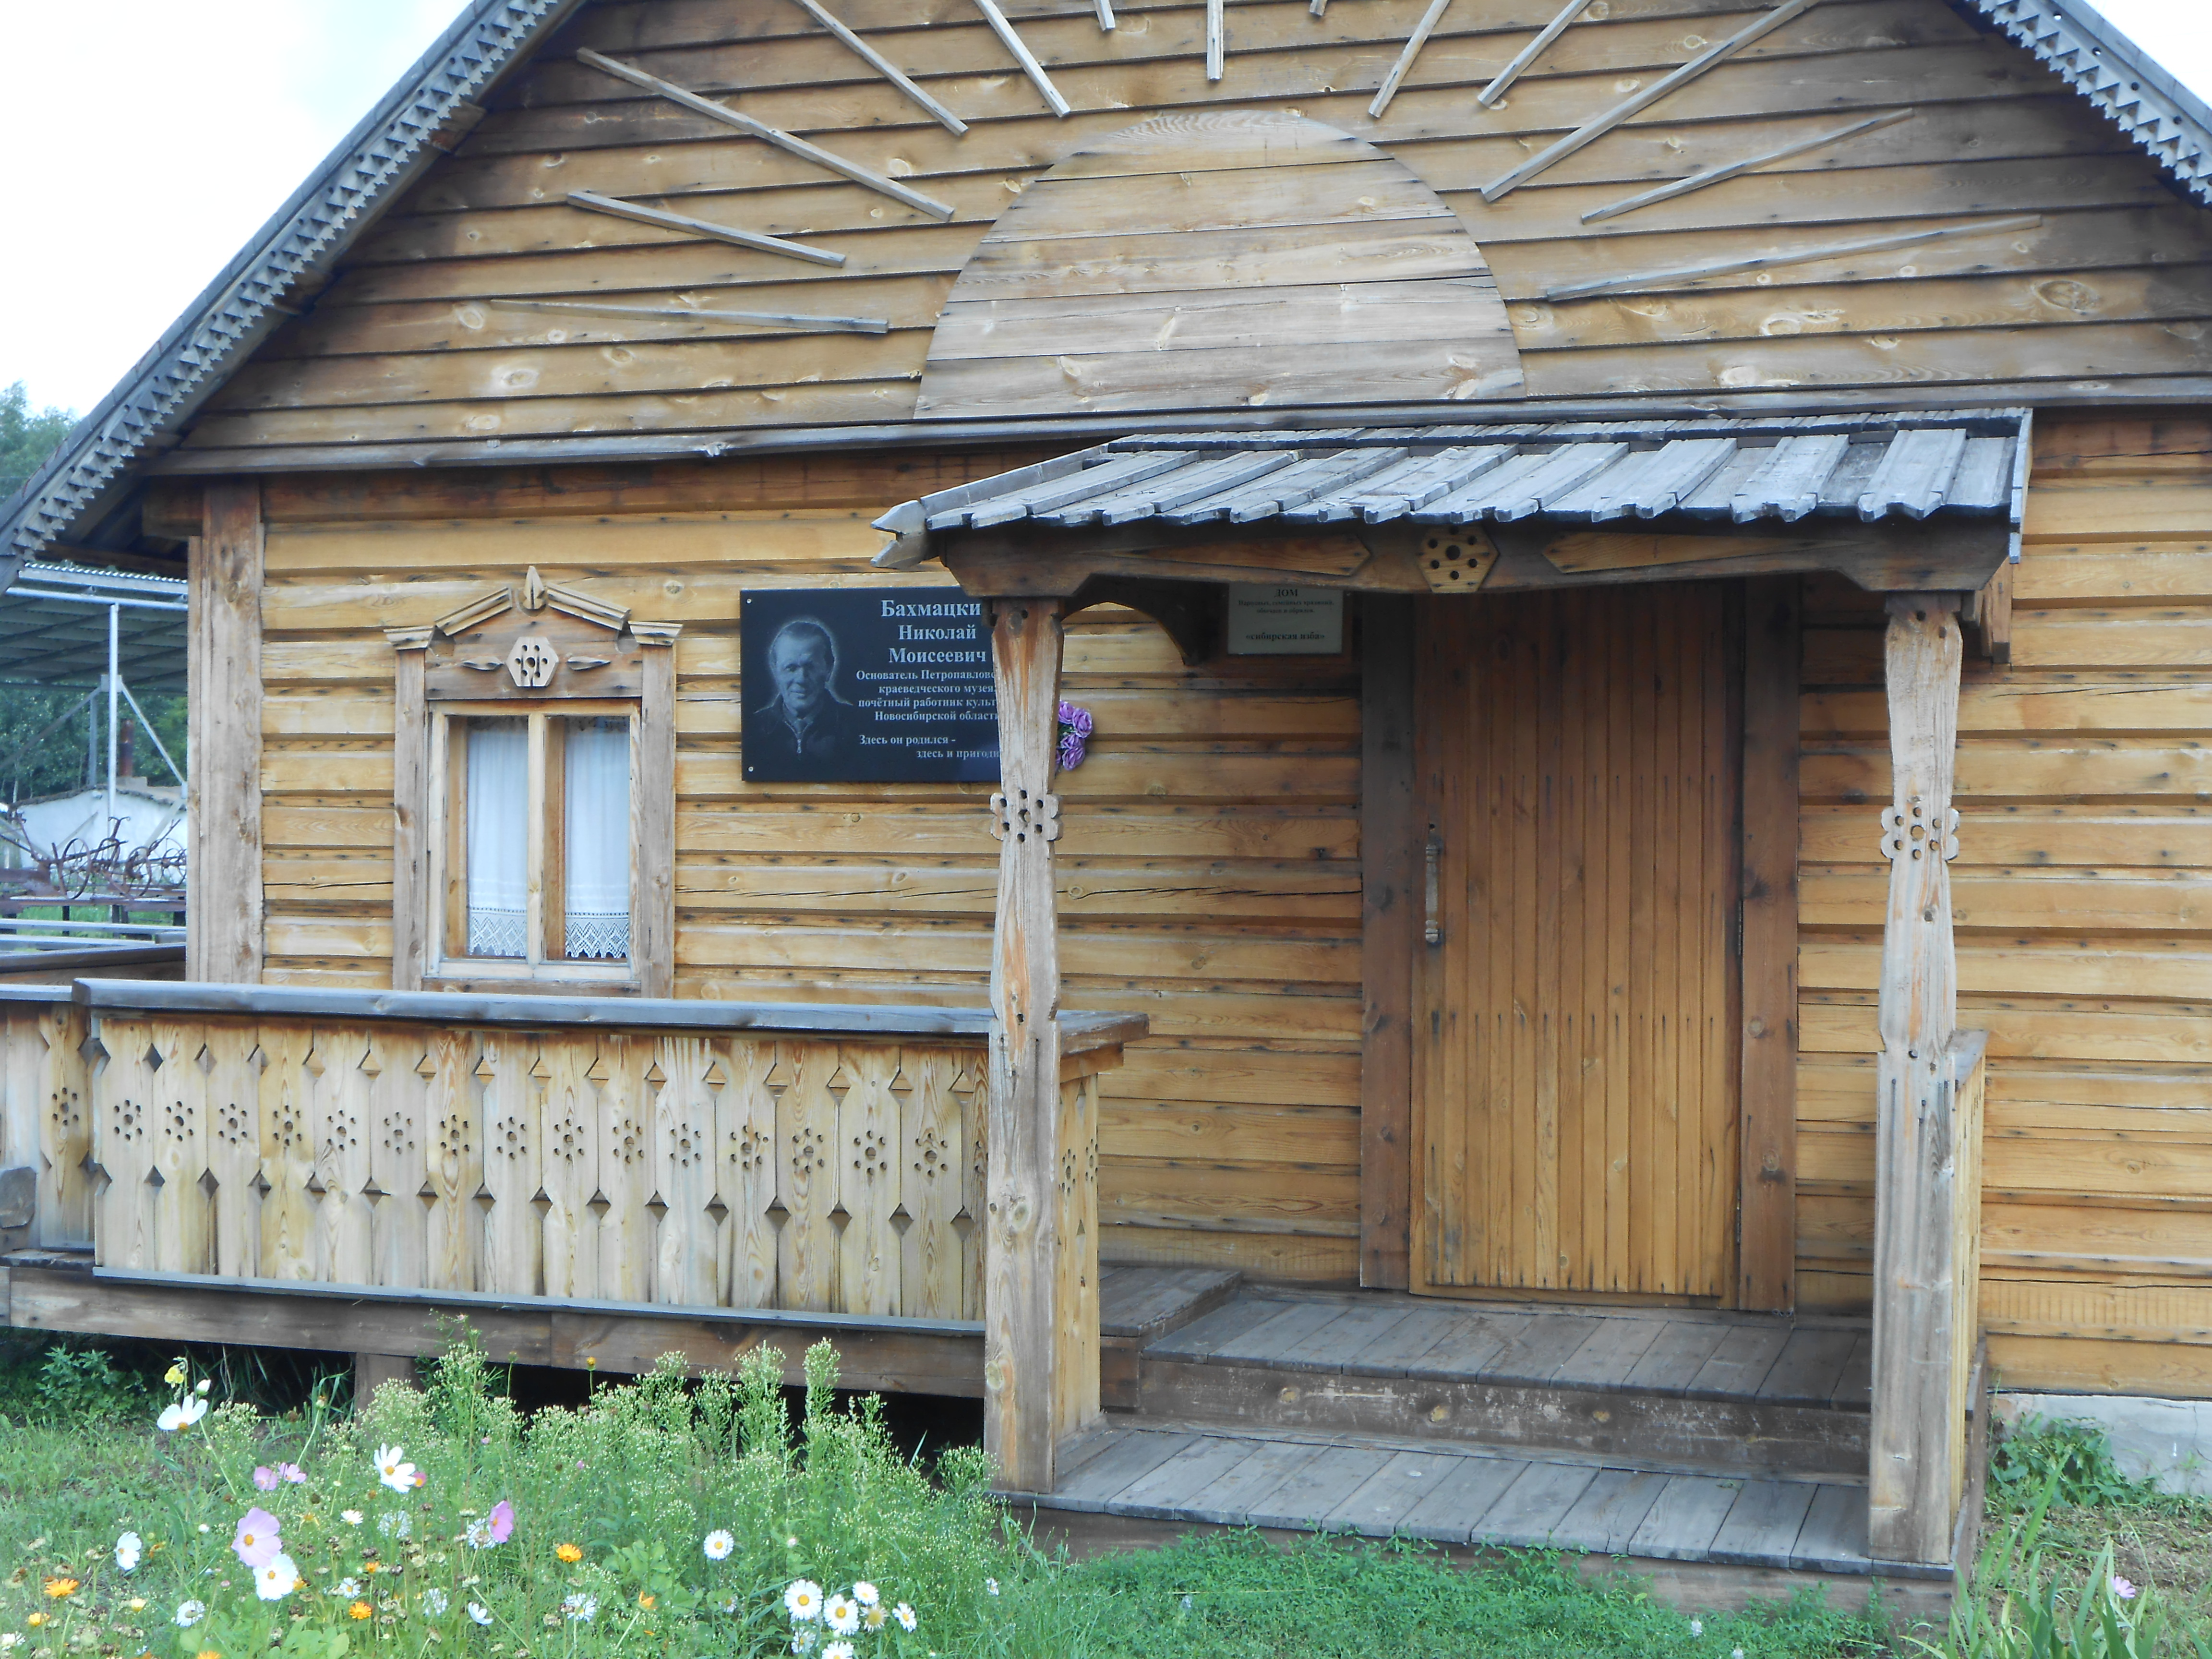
1946, 552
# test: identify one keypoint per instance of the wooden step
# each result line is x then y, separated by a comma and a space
1382, 1487
1682, 1388
1138, 1306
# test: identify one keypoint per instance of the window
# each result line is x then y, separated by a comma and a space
534, 795
537, 854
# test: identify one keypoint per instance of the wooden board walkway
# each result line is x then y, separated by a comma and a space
1376, 1487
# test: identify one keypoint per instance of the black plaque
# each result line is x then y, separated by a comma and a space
867, 685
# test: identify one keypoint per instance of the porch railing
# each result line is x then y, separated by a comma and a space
686, 1154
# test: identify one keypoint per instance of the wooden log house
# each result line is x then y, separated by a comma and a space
1684, 966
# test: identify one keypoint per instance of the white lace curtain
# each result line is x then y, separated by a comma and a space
499, 836
597, 840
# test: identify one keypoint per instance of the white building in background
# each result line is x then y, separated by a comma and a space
74, 825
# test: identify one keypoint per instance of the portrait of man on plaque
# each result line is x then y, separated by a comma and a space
866, 685
803, 724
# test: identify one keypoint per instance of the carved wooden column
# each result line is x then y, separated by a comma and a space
1033, 1291
1913, 1497
222, 913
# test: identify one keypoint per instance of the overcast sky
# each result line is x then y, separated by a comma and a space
142, 142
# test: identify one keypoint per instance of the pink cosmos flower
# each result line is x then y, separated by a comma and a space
2122, 1588
264, 1478
292, 1474
502, 1521
257, 1543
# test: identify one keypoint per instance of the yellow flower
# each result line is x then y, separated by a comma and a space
59, 1587
569, 1552
137, 1604
175, 1377
35, 1621
646, 1601
208, 1653
359, 1610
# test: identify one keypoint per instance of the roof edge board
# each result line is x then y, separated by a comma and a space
104, 455
234, 313
2137, 94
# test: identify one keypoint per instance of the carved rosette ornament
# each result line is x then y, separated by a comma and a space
1907, 833
536, 638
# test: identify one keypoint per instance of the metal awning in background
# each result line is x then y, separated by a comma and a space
1867, 468
54, 628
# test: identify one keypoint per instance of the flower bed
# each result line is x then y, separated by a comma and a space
661, 1519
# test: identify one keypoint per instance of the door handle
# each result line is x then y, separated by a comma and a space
1433, 932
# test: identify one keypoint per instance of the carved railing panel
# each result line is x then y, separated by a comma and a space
692, 1169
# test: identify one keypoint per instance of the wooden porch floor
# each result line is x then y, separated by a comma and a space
1672, 1435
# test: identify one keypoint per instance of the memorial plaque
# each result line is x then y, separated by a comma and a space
1268, 619
867, 685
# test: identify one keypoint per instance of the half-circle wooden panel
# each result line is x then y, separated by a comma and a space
1215, 261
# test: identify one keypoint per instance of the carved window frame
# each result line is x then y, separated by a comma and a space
528, 678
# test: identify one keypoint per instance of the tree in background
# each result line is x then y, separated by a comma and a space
27, 438
48, 746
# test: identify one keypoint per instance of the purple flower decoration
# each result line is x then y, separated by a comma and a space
1074, 734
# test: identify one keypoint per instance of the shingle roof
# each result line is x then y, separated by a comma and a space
145, 412
1861, 467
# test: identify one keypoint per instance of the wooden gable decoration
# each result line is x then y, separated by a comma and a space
539, 640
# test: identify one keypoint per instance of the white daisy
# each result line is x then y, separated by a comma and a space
352, 1517
842, 1614
579, 1608
480, 1612
803, 1600
838, 1650
278, 1579
346, 1587
129, 1549
190, 1612
394, 1474
905, 1615
992, 1585
865, 1594
719, 1544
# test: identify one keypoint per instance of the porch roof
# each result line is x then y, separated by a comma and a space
1863, 468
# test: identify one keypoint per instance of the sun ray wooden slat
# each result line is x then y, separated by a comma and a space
1644, 281
1014, 43
866, 177
1489, 95
1216, 39
591, 202
1414, 42
1644, 97
891, 72
1697, 181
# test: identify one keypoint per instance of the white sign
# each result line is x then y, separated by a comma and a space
1277, 619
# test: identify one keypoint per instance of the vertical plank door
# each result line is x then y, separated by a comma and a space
1576, 994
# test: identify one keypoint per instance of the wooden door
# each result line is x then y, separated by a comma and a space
1575, 1066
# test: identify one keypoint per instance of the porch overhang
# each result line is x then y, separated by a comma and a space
1903, 503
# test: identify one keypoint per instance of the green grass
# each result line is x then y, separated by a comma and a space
637, 1480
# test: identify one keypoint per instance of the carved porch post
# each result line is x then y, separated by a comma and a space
1913, 1494
1040, 1270
222, 817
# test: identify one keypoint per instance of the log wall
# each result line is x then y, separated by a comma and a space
2082, 897
1209, 861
